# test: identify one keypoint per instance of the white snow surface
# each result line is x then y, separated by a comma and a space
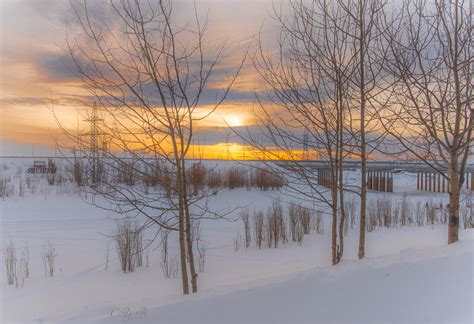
416, 286
409, 274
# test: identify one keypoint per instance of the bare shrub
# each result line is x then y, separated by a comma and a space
26, 260
6, 188
346, 224
3, 188
467, 218
278, 223
129, 245
22, 274
384, 206
373, 221
202, 249
319, 223
196, 231
51, 178
16, 272
305, 219
126, 173
167, 181
155, 175
406, 216
293, 220
275, 225
431, 213
138, 247
300, 222
396, 216
78, 173
151, 177
52, 167
245, 216
350, 209
299, 216
124, 241
28, 182
236, 178
444, 214
21, 188
419, 215
258, 221
31, 185
197, 177
214, 180
237, 242
169, 263
200, 245
239, 177
265, 178
380, 213
299, 231
60, 176
48, 257
282, 226
271, 229
467, 212
10, 261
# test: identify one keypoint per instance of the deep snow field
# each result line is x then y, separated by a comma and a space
409, 274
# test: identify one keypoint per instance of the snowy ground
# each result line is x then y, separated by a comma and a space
409, 275
413, 286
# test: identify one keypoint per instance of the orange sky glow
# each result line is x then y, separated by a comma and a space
38, 87
36, 82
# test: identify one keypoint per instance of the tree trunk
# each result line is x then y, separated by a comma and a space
341, 199
335, 249
363, 161
454, 195
363, 203
334, 237
343, 218
189, 238
182, 245
190, 252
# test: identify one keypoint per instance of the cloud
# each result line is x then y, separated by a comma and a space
57, 67
36, 70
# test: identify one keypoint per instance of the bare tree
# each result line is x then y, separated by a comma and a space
307, 105
148, 77
366, 36
431, 116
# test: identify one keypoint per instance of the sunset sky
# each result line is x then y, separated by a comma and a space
36, 72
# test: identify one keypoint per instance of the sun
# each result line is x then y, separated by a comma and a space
234, 121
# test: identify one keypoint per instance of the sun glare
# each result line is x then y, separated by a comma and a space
234, 121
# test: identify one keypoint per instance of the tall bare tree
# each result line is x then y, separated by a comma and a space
366, 36
148, 74
307, 105
431, 116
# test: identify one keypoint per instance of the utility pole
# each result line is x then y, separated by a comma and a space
94, 143
305, 145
